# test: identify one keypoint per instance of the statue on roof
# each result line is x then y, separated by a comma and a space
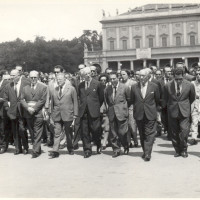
103, 12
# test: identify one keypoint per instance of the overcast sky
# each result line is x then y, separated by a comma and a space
56, 19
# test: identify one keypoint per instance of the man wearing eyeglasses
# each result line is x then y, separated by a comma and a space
195, 111
179, 94
12, 96
33, 98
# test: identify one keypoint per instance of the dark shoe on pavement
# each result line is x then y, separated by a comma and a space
116, 154
126, 151
131, 145
17, 152
184, 154
3, 150
25, 151
54, 154
76, 147
87, 154
177, 155
71, 152
143, 155
147, 158
35, 155
62, 146
99, 150
135, 144
192, 142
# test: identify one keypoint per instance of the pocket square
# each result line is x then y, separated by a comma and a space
94, 90
152, 92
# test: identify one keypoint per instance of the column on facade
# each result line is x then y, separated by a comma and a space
198, 32
184, 34
117, 34
170, 35
130, 38
144, 63
143, 36
119, 65
186, 62
104, 35
132, 64
158, 63
157, 36
172, 62
104, 64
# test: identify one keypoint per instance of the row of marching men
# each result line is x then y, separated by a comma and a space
85, 105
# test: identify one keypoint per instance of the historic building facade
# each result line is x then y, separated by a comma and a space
155, 34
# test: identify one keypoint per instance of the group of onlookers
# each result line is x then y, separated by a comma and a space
101, 109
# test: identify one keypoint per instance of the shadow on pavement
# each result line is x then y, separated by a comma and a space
165, 145
166, 152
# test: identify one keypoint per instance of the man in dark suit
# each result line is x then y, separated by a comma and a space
91, 96
12, 104
4, 122
116, 96
64, 112
145, 98
179, 94
33, 98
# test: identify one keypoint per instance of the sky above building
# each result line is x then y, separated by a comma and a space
58, 19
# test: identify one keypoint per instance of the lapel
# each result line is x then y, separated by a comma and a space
90, 87
57, 92
183, 88
148, 89
118, 90
110, 93
12, 89
33, 91
64, 91
139, 90
172, 88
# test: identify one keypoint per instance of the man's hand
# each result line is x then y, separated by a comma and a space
31, 110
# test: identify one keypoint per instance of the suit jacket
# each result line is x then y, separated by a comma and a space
15, 109
183, 102
38, 96
2, 90
147, 105
119, 106
92, 98
66, 107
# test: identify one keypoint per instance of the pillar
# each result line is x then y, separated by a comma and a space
198, 32
172, 62
144, 63
143, 36
119, 65
170, 35
104, 39
186, 62
184, 34
132, 64
158, 63
117, 33
157, 36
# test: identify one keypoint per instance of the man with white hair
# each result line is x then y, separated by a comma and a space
91, 96
94, 72
33, 98
13, 107
145, 98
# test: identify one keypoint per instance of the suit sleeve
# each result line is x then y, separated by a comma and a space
157, 95
128, 95
75, 101
6, 98
132, 97
38, 106
165, 97
22, 100
101, 93
192, 93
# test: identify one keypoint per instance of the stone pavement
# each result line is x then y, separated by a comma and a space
101, 175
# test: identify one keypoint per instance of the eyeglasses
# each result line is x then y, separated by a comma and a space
197, 74
33, 77
56, 72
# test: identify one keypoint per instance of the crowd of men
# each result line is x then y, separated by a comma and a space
99, 109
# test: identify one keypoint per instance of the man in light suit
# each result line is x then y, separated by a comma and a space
33, 98
12, 96
179, 94
64, 112
116, 96
91, 96
145, 98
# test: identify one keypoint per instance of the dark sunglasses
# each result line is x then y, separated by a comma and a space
33, 77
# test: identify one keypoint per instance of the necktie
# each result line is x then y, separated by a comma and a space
178, 90
32, 88
167, 80
15, 88
114, 93
87, 85
60, 91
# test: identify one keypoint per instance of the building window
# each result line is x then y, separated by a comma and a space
192, 40
137, 43
111, 45
150, 42
163, 26
150, 27
164, 41
137, 28
178, 41
178, 25
124, 44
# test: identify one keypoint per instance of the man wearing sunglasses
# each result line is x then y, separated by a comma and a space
179, 94
33, 98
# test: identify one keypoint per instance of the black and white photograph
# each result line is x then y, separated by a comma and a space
99, 99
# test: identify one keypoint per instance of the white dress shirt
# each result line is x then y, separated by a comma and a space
179, 86
144, 89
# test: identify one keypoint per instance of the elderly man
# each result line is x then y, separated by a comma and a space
91, 95
33, 98
94, 72
12, 104
64, 112
145, 98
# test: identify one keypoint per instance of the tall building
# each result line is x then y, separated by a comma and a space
154, 34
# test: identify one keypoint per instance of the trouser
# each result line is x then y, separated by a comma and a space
20, 137
77, 131
147, 131
35, 126
48, 131
180, 127
90, 130
58, 129
132, 127
164, 118
118, 134
104, 128
4, 133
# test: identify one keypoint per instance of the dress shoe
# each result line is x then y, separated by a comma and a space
131, 145
54, 154
126, 151
135, 144
147, 158
192, 142
87, 154
3, 150
62, 146
76, 147
35, 155
99, 150
17, 152
25, 151
104, 147
116, 154
184, 154
177, 154
143, 155
71, 152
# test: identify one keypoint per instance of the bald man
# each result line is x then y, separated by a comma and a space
13, 107
33, 99
145, 97
91, 96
